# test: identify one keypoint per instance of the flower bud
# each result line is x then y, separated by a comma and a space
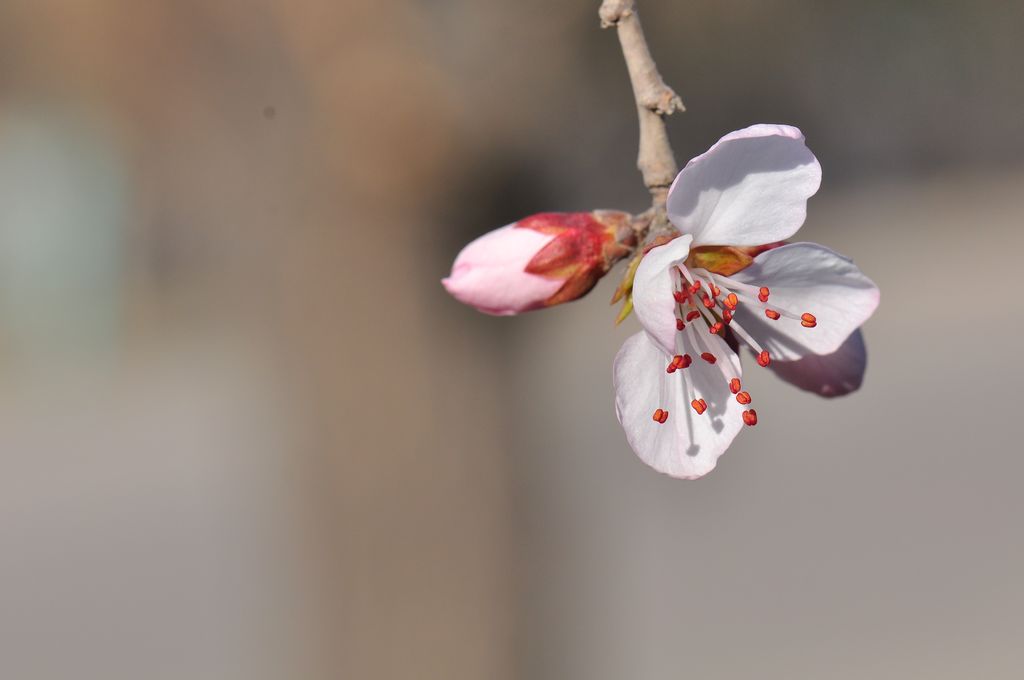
539, 261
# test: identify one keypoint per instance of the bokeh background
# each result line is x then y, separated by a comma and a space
245, 434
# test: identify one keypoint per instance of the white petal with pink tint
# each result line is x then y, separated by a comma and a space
652, 291
686, 445
828, 375
806, 277
750, 188
489, 273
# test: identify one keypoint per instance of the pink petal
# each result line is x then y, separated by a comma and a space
829, 375
749, 189
489, 272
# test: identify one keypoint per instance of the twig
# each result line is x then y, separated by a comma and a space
654, 101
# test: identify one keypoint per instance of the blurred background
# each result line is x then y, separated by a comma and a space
244, 433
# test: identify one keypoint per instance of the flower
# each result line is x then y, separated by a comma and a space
539, 261
727, 279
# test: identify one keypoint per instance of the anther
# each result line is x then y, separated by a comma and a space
699, 405
679, 297
708, 357
808, 320
731, 301
750, 417
684, 361
763, 359
660, 416
680, 324
692, 314
716, 327
695, 287
715, 290
743, 398
763, 294
772, 314
726, 315
734, 385
708, 302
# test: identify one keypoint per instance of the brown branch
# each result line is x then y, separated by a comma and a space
654, 101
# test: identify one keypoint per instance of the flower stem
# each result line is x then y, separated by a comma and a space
654, 101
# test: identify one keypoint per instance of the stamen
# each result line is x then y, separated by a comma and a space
750, 417
699, 405
695, 287
772, 314
726, 316
808, 320
716, 327
708, 357
680, 325
715, 290
734, 385
692, 314
763, 294
679, 361
660, 416
679, 297
731, 301
743, 398
763, 359
708, 302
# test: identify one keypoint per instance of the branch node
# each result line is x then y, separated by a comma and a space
614, 11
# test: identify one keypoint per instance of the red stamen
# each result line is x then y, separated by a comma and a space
695, 287
657, 415
731, 301
716, 327
680, 325
699, 405
671, 368
708, 357
734, 385
692, 314
763, 294
684, 361
808, 320
679, 297
763, 359
708, 302
715, 290
772, 314
743, 398
726, 315
750, 417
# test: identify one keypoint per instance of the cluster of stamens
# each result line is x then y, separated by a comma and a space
699, 295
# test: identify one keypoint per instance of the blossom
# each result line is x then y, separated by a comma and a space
539, 261
727, 280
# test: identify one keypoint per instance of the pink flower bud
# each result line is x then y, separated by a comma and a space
539, 261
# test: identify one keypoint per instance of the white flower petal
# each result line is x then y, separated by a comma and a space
807, 277
652, 291
687, 445
828, 375
749, 189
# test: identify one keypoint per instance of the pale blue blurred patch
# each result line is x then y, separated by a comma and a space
63, 210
